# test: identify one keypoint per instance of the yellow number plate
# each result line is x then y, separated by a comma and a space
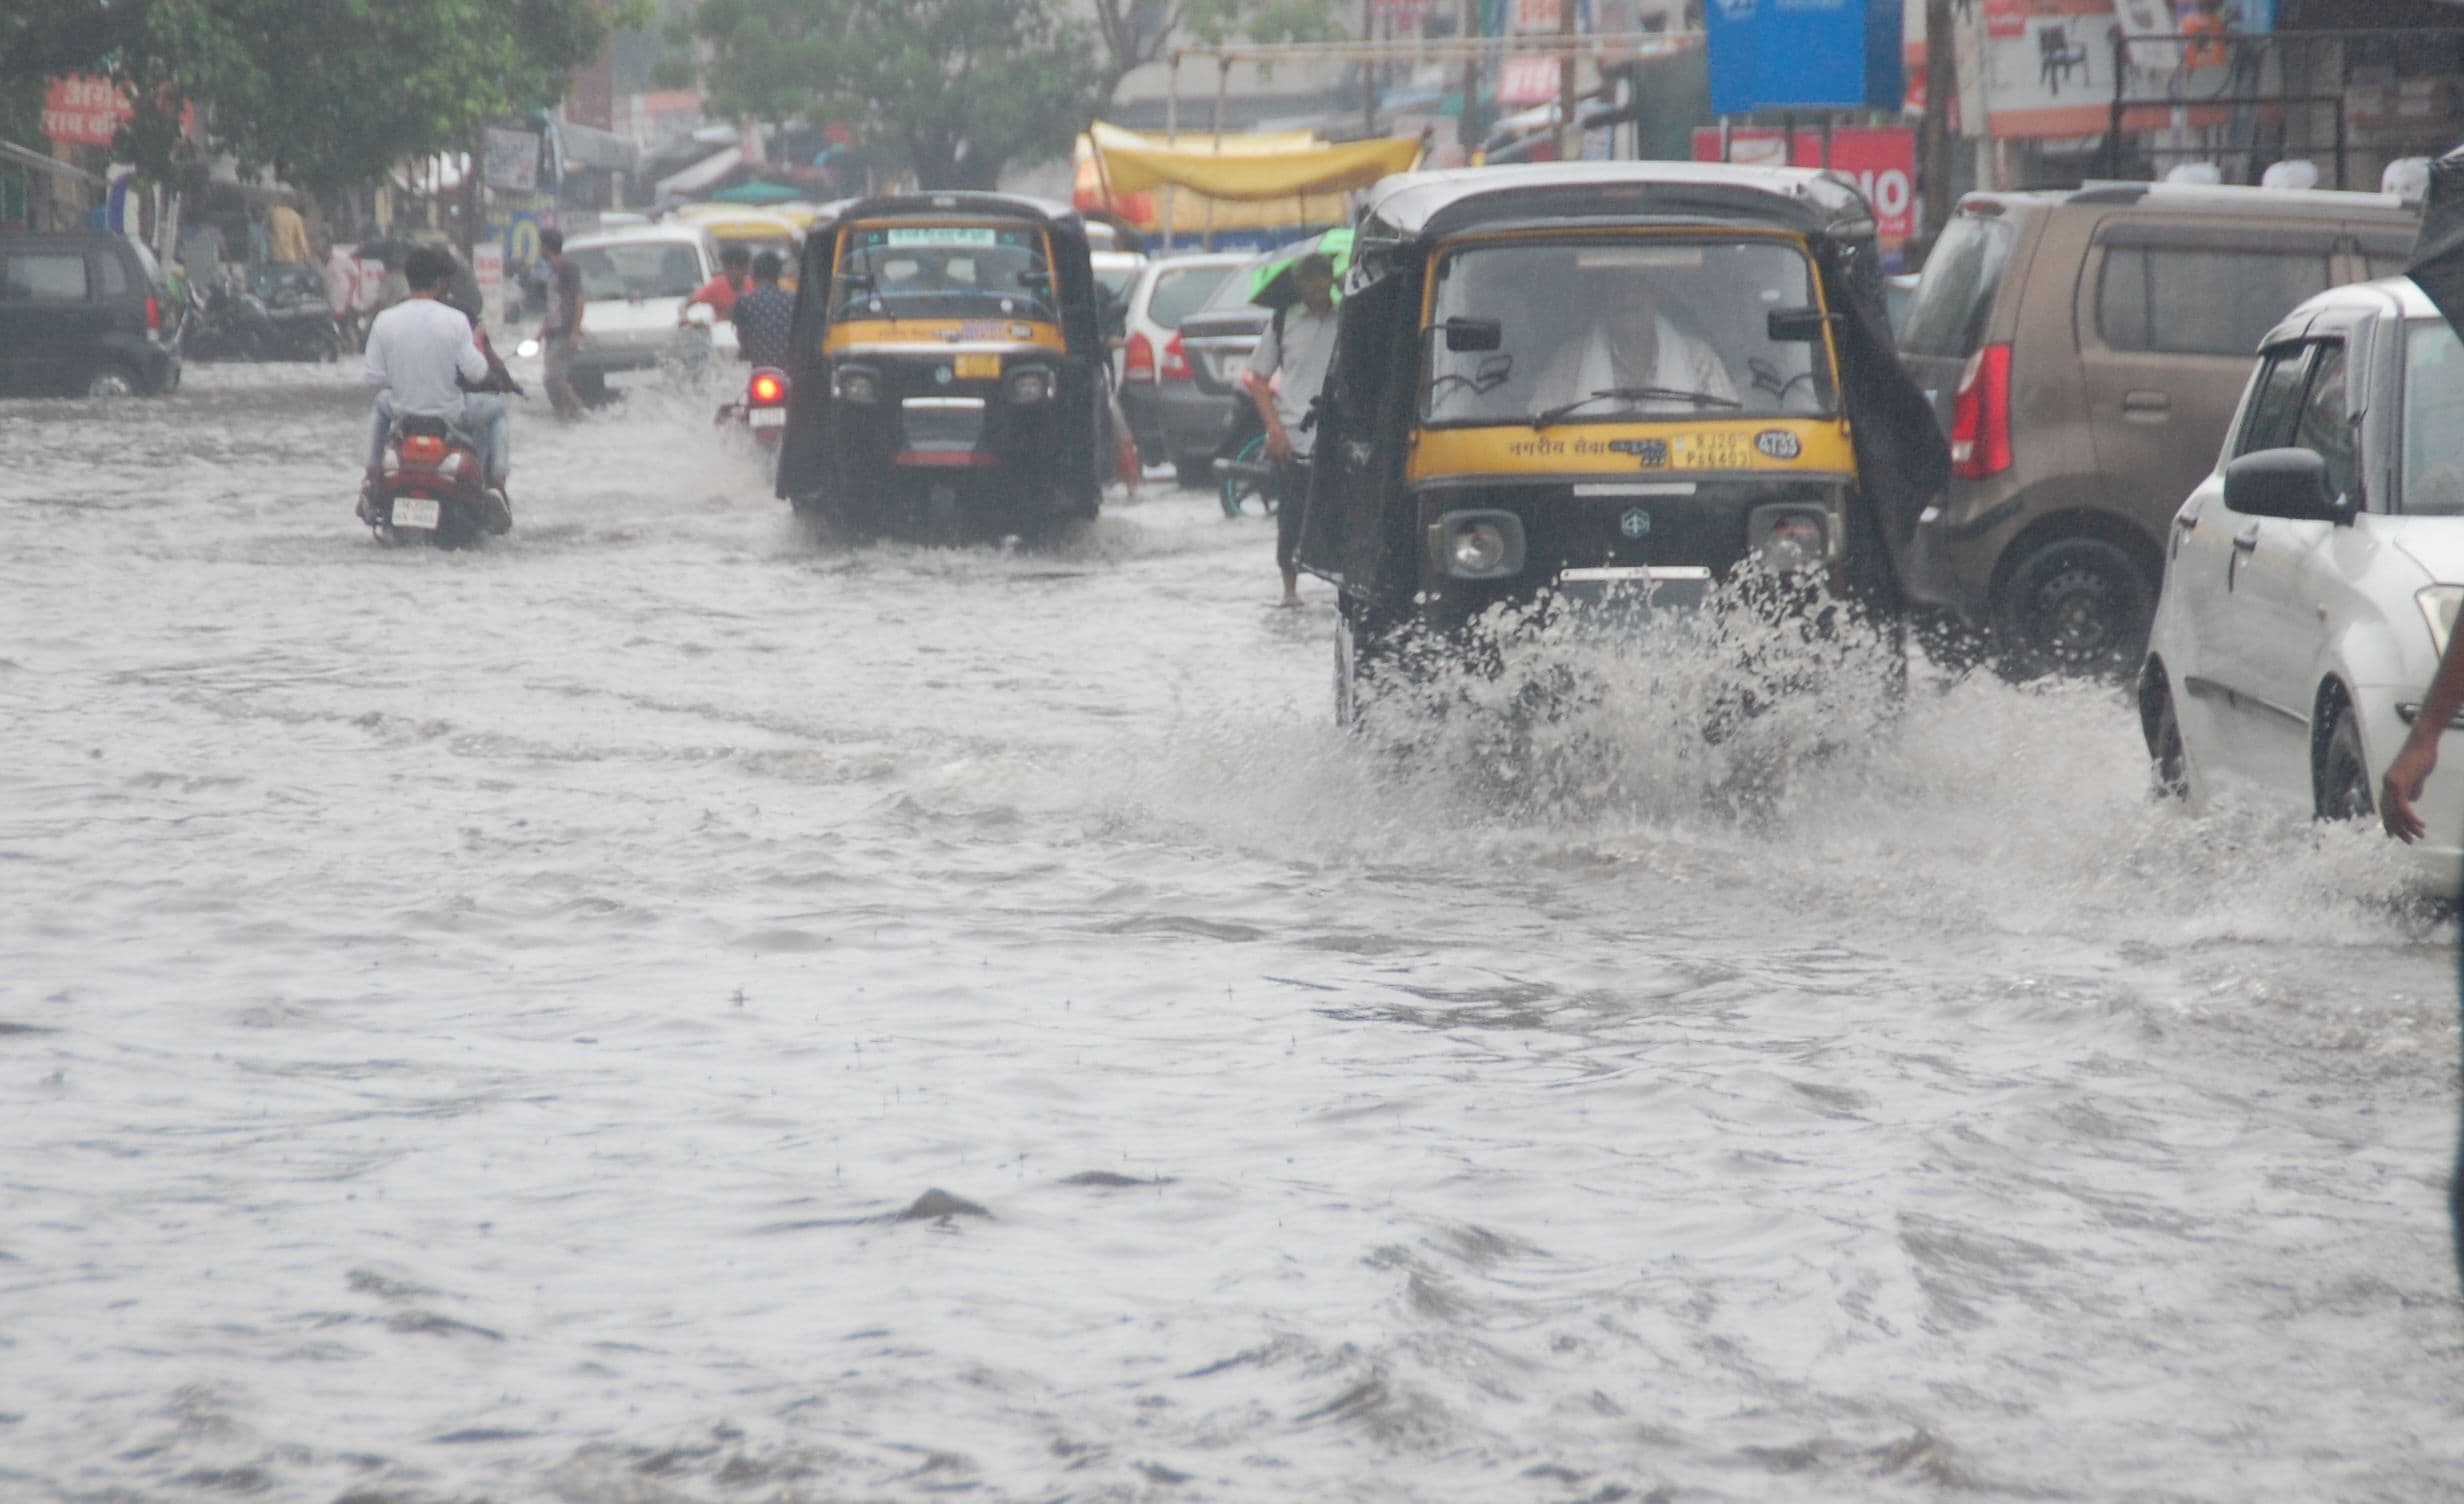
979, 368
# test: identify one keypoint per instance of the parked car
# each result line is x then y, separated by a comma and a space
634, 283
1169, 415
2084, 349
1211, 346
83, 313
2314, 578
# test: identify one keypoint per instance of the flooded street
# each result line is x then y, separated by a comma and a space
471, 1027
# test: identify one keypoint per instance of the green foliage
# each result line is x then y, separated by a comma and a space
1137, 32
962, 86
328, 92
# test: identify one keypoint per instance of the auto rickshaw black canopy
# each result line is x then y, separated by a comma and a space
1903, 458
1074, 285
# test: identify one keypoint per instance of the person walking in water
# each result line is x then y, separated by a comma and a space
2406, 777
560, 333
1283, 377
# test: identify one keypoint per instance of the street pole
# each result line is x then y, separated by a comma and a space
1941, 92
1368, 70
1569, 130
1467, 125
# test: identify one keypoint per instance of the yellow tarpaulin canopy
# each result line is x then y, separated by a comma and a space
1248, 169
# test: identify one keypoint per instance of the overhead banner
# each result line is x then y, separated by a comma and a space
2045, 68
513, 160
1804, 55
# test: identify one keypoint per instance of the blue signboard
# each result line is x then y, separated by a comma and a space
1803, 55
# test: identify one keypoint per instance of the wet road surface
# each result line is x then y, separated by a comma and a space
470, 1028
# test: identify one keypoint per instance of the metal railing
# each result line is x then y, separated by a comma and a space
2250, 103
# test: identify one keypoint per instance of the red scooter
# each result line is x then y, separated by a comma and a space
434, 487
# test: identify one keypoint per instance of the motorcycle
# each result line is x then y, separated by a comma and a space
299, 322
223, 324
433, 486
762, 413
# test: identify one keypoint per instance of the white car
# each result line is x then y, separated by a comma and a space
2311, 583
634, 285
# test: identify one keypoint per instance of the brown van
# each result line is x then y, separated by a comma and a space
2085, 350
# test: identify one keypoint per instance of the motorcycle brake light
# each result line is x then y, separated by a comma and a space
768, 390
1176, 361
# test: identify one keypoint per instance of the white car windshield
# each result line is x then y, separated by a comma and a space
1611, 330
649, 269
2433, 419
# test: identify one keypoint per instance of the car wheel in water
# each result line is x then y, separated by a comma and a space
2080, 607
2167, 765
112, 381
2340, 774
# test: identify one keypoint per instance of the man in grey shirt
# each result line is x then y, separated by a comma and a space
1283, 377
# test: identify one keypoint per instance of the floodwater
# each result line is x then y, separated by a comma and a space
470, 1027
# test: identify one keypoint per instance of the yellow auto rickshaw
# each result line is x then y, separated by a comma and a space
949, 373
756, 230
1580, 382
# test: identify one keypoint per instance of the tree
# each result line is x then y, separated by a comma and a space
1137, 32
327, 92
963, 86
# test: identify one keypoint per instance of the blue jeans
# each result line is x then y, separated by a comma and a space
483, 418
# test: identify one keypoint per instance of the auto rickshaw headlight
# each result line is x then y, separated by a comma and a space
1477, 545
1789, 538
855, 384
1030, 386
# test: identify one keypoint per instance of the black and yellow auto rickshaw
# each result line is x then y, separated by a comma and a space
948, 371
1608, 381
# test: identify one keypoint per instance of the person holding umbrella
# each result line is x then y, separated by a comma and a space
1284, 374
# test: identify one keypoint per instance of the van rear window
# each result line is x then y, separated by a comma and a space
2200, 302
46, 274
1955, 293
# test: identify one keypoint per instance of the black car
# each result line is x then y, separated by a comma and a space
82, 313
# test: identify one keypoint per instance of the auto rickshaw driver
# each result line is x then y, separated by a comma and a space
1634, 355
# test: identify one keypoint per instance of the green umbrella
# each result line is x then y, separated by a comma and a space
755, 193
1271, 286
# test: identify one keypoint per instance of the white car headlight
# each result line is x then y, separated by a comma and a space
2439, 606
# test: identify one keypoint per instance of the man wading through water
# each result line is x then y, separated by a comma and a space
1283, 376
2438, 266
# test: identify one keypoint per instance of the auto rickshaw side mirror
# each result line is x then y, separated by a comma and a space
1464, 335
1795, 326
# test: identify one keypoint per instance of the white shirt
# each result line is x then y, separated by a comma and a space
1679, 360
1295, 365
415, 349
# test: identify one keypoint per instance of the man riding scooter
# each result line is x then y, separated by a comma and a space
420, 354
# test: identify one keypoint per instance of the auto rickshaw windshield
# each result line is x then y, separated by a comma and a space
908, 270
1615, 329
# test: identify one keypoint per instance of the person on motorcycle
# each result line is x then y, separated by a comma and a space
766, 314
719, 294
420, 353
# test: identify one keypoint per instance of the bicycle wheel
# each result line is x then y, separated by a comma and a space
1237, 490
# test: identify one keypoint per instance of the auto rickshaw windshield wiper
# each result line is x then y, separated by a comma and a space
1634, 394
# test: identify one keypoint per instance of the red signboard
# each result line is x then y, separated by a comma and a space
84, 110
1879, 159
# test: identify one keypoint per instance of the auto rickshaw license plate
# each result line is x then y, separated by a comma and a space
415, 511
979, 368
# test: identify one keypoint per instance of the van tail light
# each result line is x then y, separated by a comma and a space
1176, 361
1981, 415
153, 315
1138, 359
